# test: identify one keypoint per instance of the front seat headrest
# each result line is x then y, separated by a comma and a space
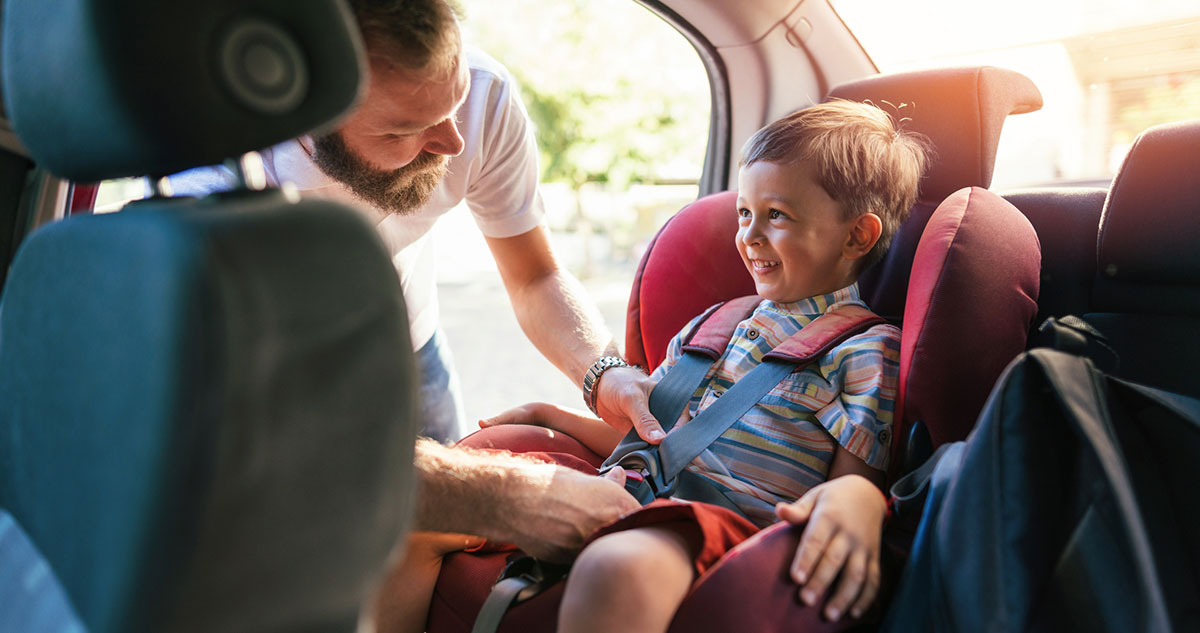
184, 84
960, 110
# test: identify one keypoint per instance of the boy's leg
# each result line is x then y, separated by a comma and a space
401, 603
632, 580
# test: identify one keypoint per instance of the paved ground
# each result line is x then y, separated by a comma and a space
498, 366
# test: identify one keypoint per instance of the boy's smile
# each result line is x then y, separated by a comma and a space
791, 234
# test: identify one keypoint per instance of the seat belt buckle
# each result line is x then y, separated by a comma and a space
644, 475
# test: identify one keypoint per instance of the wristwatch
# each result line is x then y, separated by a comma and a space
592, 378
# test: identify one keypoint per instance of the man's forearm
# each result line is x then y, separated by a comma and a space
563, 323
470, 492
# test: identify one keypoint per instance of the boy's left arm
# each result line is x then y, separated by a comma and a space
844, 529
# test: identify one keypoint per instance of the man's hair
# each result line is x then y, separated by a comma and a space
415, 35
863, 160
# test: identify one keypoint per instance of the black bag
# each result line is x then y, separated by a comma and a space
1071, 507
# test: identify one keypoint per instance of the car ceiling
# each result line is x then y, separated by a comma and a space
733, 22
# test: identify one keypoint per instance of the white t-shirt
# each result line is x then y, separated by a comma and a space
496, 173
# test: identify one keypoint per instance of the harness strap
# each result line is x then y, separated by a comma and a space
684, 445
523, 577
662, 464
498, 601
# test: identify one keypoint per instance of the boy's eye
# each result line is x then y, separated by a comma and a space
745, 213
775, 214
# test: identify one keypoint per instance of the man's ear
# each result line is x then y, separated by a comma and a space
863, 234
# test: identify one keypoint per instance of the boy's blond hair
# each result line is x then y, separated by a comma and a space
863, 160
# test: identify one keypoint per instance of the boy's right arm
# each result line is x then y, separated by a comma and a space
546, 510
591, 431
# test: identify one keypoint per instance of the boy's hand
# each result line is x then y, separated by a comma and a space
529, 413
845, 527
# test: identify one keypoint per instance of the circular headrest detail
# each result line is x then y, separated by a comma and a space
263, 67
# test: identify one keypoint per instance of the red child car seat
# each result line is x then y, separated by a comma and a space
972, 303
692, 263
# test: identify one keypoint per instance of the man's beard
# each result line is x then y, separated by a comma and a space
401, 191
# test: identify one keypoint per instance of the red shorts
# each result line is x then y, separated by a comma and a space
710, 531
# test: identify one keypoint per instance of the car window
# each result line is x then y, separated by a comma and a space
1107, 70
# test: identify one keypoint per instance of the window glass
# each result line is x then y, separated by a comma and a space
113, 194
1107, 70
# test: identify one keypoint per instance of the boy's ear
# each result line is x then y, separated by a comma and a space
863, 234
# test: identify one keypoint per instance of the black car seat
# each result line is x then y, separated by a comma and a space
1145, 295
206, 405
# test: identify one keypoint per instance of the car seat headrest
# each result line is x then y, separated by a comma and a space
691, 264
102, 89
1151, 220
960, 111
971, 299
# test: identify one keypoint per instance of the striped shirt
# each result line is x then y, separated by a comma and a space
784, 444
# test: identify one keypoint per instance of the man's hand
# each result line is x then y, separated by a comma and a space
551, 523
544, 509
623, 400
845, 526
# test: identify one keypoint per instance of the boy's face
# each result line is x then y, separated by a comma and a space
791, 234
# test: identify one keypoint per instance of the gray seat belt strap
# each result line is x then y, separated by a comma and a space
498, 601
684, 445
667, 400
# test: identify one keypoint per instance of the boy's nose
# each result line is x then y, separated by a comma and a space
751, 233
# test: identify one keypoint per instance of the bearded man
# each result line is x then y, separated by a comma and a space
441, 124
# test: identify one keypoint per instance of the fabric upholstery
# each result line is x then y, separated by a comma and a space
1146, 292
883, 285
971, 301
1067, 220
690, 265
960, 110
31, 598
1149, 229
157, 79
207, 420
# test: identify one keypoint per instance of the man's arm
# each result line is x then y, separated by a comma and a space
544, 509
565, 325
552, 307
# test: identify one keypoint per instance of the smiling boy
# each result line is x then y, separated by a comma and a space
821, 192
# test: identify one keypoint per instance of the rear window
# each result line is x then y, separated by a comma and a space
1107, 70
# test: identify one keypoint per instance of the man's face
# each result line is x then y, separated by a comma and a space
392, 152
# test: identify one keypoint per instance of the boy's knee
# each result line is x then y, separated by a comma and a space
631, 562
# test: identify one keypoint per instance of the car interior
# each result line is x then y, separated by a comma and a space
169, 373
